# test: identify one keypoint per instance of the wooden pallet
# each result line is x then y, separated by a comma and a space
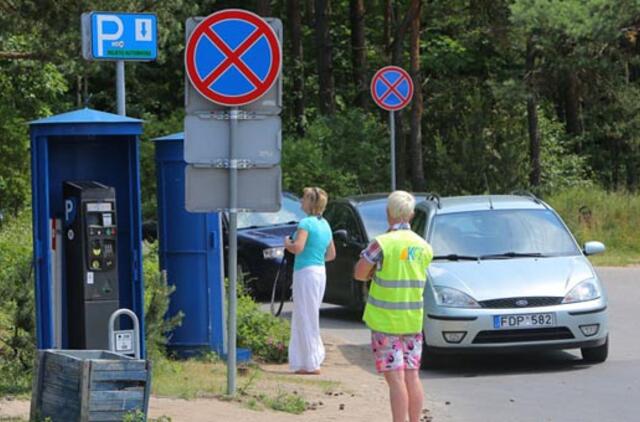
88, 385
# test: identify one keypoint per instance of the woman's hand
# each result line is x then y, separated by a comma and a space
296, 246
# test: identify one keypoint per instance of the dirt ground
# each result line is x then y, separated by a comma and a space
361, 395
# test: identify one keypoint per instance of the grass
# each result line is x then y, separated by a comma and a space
256, 389
612, 218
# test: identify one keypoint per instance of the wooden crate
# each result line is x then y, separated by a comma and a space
88, 385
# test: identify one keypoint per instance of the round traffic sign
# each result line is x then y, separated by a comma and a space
392, 88
233, 57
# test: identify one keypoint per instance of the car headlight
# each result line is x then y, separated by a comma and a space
273, 253
583, 291
453, 298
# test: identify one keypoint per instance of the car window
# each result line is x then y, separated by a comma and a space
341, 217
374, 217
419, 222
480, 233
290, 212
338, 218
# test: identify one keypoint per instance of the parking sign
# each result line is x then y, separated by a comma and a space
119, 36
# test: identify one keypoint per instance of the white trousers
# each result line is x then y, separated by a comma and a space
306, 351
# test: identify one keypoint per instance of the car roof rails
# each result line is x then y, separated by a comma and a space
434, 197
522, 192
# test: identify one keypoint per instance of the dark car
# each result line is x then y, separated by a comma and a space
355, 221
260, 242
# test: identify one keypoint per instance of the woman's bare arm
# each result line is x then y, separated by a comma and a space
297, 246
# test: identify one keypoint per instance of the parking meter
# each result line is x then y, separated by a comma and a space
91, 273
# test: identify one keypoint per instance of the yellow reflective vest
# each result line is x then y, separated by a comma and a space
395, 304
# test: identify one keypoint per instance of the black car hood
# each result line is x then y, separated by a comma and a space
270, 236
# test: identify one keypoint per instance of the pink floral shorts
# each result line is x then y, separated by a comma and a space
395, 353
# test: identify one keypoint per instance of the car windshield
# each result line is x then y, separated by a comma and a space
501, 233
290, 212
374, 217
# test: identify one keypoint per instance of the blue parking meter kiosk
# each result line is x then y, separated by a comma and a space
86, 226
191, 252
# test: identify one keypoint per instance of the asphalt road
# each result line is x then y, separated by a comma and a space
544, 386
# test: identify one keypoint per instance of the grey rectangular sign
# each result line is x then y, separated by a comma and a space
207, 189
206, 139
269, 103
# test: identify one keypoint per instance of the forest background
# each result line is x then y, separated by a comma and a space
511, 94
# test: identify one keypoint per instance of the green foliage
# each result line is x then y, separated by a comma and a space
265, 335
17, 325
283, 402
29, 90
561, 168
609, 217
157, 295
139, 416
154, 128
345, 154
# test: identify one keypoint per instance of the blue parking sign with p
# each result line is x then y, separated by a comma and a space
119, 36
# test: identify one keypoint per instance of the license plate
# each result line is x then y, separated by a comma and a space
524, 321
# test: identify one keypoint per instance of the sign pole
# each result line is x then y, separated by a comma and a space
233, 251
120, 92
392, 90
392, 125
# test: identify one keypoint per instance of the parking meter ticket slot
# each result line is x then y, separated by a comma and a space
89, 277
123, 341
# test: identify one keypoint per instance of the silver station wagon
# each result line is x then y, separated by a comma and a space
508, 275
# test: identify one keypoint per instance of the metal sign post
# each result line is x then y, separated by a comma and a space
233, 247
119, 37
392, 126
232, 59
392, 90
121, 98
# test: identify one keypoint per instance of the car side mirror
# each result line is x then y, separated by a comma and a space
340, 235
593, 248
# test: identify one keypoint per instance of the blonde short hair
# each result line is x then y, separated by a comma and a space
400, 205
316, 198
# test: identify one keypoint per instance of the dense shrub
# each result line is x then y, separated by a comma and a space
157, 295
266, 335
345, 154
17, 322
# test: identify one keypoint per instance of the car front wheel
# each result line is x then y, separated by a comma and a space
596, 354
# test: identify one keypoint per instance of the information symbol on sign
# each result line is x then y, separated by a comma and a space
233, 57
392, 88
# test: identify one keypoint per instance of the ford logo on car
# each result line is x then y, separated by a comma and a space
522, 302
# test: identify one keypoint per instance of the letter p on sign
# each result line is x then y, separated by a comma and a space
102, 36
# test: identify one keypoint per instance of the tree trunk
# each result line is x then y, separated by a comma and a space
532, 116
309, 13
386, 31
324, 57
297, 72
359, 52
396, 59
417, 108
572, 104
263, 8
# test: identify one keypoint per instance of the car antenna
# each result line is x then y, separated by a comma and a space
486, 183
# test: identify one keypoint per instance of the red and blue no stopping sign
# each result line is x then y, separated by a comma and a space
392, 88
233, 57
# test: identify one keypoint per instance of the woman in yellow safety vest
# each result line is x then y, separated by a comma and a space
396, 262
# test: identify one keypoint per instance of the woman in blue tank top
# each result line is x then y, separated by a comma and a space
313, 245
